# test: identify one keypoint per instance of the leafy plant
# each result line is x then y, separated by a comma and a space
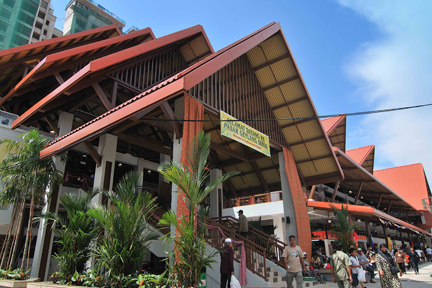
342, 228
76, 231
17, 274
190, 255
93, 279
126, 232
25, 177
151, 280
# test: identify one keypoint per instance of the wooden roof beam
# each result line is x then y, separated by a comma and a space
102, 96
290, 79
297, 122
169, 113
284, 56
147, 143
93, 152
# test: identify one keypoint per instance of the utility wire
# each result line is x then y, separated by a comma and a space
296, 118
305, 118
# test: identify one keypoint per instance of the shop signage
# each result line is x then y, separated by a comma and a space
244, 134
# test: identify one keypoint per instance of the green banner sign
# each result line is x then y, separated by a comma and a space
244, 134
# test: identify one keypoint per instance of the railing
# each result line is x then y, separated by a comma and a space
255, 199
274, 247
255, 254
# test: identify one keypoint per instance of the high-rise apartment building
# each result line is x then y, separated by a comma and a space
84, 15
26, 21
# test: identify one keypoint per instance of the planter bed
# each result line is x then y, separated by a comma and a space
17, 283
45, 285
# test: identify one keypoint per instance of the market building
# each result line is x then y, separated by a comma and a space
119, 103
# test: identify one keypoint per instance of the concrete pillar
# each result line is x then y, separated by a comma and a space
140, 168
327, 247
215, 196
177, 146
162, 159
44, 241
104, 174
288, 204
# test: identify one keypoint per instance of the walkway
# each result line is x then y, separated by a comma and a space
409, 280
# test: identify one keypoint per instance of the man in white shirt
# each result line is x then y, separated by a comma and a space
428, 253
292, 260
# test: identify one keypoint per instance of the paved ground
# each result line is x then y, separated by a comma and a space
409, 280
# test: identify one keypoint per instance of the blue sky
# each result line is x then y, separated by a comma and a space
354, 55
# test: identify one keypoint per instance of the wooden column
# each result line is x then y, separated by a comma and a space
379, 202
335, 191
358, 193
350, 222
385, 234
312, 191
401, 236
368, 232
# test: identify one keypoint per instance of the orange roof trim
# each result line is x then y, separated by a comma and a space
331, 123
108, 61
110, 30
360, 154
62, 56
408, 181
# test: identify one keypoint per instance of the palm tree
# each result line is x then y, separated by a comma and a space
192, 180
23, 173
343, 228
126, 231
76, 230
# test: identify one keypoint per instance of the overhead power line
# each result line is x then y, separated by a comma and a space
310, 117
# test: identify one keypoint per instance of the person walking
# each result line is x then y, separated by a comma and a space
414, 259
366, 265
384, 259
340, 266
292, 260
400, 260
355, 266
428, 253
227, 264
243, 224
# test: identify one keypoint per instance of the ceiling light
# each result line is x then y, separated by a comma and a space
361, 197
350, 191
120, 165
329, 221
52, 132
149, 171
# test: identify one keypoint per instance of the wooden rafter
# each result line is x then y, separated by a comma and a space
95, 155
335, 191
102, 96
169, 113
358, 193
52, 124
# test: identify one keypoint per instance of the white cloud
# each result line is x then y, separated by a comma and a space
396, 71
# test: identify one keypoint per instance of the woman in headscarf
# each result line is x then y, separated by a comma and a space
383, 261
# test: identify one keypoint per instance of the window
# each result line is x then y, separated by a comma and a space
9, 3
47, 22
41, 14
45, 32
44, 4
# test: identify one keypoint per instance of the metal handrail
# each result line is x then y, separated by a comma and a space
273, 246
256, 255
